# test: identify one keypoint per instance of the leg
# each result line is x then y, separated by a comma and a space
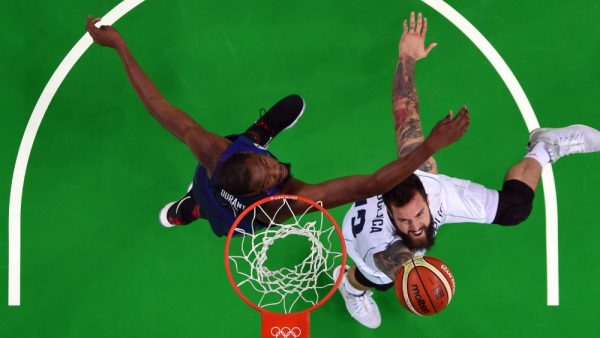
351, 275
359, 302
181, 212
515, 200
528, 171
545, 145
283, 115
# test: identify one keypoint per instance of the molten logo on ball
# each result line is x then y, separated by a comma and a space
419, 298
424, 285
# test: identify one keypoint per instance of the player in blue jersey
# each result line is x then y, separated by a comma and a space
233, 172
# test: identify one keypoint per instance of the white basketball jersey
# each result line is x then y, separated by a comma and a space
368, 229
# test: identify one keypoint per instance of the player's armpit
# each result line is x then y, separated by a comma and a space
207, 147
391, 259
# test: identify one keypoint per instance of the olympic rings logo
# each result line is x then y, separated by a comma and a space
285, 332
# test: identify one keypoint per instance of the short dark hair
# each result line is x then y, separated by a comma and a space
404, 191
235, 175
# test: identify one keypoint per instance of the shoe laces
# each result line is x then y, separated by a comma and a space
362, 303
571, 144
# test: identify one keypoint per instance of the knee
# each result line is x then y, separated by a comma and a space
357, 276
513, 214
514, 204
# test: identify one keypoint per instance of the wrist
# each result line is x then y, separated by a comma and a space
119, 45
405, 57
429, 147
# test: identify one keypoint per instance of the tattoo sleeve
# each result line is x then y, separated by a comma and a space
407, 122
391, 259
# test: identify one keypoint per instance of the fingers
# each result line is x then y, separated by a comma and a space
419, 26
404, 27
465, 124
460, 116
430, 47
424, 30
463, 119
91, 22
412, 22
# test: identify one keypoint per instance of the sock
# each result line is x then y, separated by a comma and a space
189, 211
539, 153
352, 290
258, 134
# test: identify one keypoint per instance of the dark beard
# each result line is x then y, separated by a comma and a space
429, 238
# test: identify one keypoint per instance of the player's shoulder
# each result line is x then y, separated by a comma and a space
431, 180
370, 212
421, 174
369, 204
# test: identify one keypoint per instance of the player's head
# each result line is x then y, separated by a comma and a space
408, 209
249, 173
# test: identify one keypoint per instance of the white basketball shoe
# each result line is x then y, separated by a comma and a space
569, 140
362, 308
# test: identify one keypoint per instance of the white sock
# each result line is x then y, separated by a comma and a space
352, 290
539, 153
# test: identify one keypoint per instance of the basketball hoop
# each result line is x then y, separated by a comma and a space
285, 286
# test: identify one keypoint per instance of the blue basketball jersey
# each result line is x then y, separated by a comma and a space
219, 206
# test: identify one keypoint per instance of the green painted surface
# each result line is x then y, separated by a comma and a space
96, 263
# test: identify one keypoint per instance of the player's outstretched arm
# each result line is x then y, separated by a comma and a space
405, 101
344, 190
206, 146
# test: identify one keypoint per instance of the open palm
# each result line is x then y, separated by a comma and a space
412, 42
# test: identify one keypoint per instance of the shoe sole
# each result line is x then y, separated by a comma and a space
299, 115
162, 216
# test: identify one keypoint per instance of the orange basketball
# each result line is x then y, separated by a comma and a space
424, 285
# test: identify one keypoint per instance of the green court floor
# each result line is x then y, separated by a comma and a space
95, 260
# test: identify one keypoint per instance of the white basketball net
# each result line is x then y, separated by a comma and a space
286, 287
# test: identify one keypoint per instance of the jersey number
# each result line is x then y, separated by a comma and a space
358, 222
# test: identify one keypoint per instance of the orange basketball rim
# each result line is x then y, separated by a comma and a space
286, 295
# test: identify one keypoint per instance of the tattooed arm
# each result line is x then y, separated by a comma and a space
391, 259
405, 101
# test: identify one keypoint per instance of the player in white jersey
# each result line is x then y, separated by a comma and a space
369, 230
384, 231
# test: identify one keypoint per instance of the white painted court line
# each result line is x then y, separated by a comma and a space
16, 193
16, 189
531, 121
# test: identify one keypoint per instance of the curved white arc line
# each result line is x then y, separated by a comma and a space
18, 180
531, 121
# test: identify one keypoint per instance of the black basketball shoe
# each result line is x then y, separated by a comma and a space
283, 115
181, 212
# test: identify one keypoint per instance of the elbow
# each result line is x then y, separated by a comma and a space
156, 105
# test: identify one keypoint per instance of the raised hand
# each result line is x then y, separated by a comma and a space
412, 42
105, 35
449, 130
